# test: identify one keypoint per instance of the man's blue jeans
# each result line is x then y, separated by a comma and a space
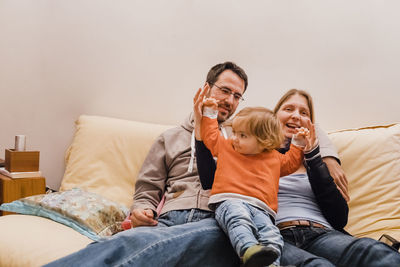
309, 246
194, 238
176, 241
247, 226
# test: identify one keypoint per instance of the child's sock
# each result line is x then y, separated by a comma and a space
259, 256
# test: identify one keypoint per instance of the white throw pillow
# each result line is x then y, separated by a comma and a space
106, 155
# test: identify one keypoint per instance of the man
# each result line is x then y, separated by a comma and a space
186, 233
171, 154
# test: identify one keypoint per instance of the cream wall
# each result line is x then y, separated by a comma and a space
143, 60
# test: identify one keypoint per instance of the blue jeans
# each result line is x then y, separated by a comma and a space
310, 246
182, 238
247, 226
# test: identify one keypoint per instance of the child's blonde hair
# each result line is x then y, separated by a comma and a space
263, 124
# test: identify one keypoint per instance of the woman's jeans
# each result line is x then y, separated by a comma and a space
181, 238
247, 226
310, 246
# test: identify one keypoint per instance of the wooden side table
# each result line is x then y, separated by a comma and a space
13, 189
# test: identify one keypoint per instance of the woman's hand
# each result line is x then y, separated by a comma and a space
334, 167
311, 138
305, 136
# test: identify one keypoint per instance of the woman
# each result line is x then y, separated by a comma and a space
312, 212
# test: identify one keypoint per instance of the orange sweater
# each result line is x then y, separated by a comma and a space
249, 175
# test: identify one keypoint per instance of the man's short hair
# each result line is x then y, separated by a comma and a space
215, 71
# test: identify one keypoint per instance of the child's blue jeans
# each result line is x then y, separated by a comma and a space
247, 225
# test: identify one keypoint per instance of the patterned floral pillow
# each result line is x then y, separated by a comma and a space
88, 213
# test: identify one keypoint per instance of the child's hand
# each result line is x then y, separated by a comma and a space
306, 137
300, 137
210, 103
210, 108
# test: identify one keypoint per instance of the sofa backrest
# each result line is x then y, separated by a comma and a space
371, 160
106, 155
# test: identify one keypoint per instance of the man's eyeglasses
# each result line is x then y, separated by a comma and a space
227, 92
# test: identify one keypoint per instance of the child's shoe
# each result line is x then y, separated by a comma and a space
259, 256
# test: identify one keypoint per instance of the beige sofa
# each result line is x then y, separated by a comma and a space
106, 154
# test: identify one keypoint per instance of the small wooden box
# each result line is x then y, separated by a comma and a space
13, 189
22, 161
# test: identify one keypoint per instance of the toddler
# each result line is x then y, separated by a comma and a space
245, 188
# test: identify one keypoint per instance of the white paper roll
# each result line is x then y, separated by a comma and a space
20, 142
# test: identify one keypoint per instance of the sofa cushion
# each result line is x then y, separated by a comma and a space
106, 154
371, 160
88, 213
34, 241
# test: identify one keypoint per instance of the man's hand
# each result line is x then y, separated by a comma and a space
141, 217
198, 109
338, 176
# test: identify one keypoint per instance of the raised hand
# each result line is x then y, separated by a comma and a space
299, 138
334, 167
198, 109
211, 103
310, 138
305, 136
198, 102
